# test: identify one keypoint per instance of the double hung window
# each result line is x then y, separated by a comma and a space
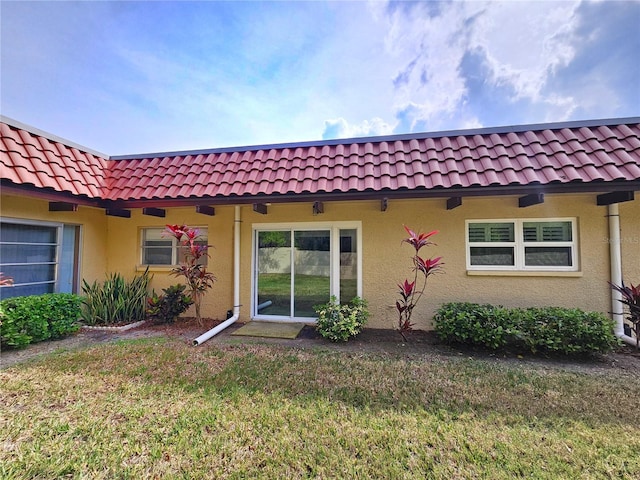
524, 244
160, 249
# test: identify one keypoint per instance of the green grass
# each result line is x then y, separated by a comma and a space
160, 408
310, 290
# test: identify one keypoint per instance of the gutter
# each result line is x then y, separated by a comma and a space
236, 284
613, 214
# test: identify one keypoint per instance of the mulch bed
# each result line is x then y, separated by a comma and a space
418, 342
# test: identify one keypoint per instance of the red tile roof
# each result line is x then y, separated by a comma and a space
30, 157
574, 153
482, 158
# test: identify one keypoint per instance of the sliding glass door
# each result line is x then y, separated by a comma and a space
297, 268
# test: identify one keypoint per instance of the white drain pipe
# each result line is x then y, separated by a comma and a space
616, 273
236, 284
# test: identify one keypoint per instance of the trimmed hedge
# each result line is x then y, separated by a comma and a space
35, 318
545, 329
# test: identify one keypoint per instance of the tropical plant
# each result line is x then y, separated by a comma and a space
115, 300
339, 322
631, 299
412, 292
198, 279
167, 307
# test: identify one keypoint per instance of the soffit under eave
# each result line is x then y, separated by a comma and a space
590, 188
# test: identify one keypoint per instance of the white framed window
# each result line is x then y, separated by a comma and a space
522, 244
160, 249
297, 266
29, 254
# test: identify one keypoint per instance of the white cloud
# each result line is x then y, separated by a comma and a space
340, 128
525, 43
429, 86
237, 73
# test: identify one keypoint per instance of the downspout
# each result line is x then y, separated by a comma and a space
616, 273
236, 284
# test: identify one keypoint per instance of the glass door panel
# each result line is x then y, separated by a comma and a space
274, 273
348, 265
68, 271
298, 268
312, 271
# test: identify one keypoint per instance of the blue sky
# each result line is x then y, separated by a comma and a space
133, 77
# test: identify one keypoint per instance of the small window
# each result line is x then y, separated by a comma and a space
158, 248
521, 245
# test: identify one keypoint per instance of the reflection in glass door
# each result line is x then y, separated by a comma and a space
293, 272
312, 267
348, 264
297, 268
274, 273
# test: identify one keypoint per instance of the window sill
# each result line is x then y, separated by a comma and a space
155, 268
521, 273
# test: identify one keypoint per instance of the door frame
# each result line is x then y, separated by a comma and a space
334, 228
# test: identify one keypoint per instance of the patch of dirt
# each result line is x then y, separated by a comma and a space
420, 345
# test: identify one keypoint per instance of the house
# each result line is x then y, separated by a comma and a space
528, 216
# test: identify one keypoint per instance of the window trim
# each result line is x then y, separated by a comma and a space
335, 228
174, 247
519, 245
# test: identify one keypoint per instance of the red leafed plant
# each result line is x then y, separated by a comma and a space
5, 281
631, 298
198, 279
423, 268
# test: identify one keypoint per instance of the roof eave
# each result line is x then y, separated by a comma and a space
48, 194
511, 190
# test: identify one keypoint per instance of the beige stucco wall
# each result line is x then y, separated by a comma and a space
93, 223
111, 244
124, 252
386, 261
630, 240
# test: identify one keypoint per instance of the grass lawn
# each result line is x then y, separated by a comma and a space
310, 290
158, 408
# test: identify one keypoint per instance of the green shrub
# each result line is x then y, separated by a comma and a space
12, 333
487, 325
548, 329
166, 308
36, 318
565, 330
339, 323
115, 300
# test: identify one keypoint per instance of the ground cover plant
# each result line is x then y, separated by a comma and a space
158, 408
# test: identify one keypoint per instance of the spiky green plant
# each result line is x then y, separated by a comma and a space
115, 300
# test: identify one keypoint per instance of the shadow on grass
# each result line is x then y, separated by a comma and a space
361, 380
